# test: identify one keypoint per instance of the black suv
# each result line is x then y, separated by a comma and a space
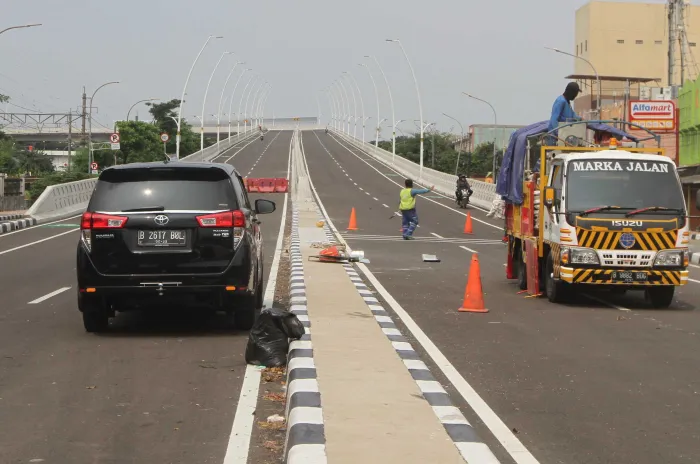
170, 233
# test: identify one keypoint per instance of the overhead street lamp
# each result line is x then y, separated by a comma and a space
393, 114
204, 101
347, 98
140, 101
221, 100
182, 99
230, 103
362, 102
240, 105
332, 105
254, 104
19, 27
459, 150
376, 96
92, 98
420, 105
259, 114
495, 130
597, 77
343, 107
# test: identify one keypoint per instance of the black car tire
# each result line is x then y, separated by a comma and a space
557, 291
248, 308
521, 269
95, 315
660, 297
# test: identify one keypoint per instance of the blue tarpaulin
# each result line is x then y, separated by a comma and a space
510, 179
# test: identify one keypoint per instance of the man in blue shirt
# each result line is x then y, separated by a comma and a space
562, 111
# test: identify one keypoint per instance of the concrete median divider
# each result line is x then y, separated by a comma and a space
484, 193
62, 201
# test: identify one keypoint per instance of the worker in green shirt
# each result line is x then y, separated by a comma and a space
407, 206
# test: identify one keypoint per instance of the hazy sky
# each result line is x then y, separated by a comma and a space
490, 48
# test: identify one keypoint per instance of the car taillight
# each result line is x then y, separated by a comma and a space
227, 219
102, 221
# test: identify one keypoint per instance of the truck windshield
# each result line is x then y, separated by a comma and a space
628, 184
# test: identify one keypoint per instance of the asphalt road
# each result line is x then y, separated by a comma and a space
159, 388
592, 382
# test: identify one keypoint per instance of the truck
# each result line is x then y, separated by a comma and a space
607, 213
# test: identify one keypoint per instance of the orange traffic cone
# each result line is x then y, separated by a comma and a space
473, 295
353, 220
468, 224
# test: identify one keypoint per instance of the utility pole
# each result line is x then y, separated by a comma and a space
84, 112
676, 35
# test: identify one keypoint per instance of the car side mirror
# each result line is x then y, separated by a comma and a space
697, 200
549, 197
265, 206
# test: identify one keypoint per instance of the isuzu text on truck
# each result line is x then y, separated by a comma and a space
609, 216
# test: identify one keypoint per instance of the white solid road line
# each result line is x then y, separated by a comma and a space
500, 430
39, 225
469, 249
438, 236
49, 295
38, 241
693, 280
242, 429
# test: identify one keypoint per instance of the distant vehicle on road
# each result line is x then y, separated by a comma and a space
170, 233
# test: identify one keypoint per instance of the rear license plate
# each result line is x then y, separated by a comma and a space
162, 238
629, 276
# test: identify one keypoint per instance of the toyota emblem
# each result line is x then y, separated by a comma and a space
161, 219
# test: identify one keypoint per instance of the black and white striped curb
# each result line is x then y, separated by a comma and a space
305, 442
470, 446
18, 224
9, 217
472, 449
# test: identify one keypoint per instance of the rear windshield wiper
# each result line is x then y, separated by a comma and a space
598, 208
147, 208
654, 208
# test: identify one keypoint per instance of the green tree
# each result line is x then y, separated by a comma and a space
163, 114
8, 164
140, 142
4, 98
34, 161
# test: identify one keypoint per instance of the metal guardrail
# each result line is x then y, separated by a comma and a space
65, 200
484, 193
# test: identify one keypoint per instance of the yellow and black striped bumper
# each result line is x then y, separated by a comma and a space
604, 276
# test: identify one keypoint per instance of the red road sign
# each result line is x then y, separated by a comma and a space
93, 166
114, 138
164, 137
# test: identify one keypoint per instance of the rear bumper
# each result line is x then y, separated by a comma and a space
604, 277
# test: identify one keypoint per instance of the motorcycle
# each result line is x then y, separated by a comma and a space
262, 137
464, 200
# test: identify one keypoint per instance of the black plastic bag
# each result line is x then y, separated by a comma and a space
268, 343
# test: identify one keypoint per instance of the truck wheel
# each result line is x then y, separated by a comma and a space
660, 297
521, 270
557, 291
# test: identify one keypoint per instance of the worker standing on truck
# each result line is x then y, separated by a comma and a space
562, 111
407, 206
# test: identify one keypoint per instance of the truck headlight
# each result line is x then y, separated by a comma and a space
671, 258
583, 256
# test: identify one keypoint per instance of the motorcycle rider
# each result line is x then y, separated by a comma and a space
462, 183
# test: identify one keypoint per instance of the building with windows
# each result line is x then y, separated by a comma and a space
631, 39
479, 134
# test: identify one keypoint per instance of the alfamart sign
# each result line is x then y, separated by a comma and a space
655, 115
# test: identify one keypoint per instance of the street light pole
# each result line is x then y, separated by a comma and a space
140, 101
342, 86
420, 105
376, 96
182, 99
334, 111
256, 101
393, 114
19, 27
245, 111
495, 130
459, 150
343, 113
221, 99
261, 105
92, 98
230, 105
362, 102
204, 101
597, 77
354, 103
240, 105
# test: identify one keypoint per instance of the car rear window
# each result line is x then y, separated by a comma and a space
185, 189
